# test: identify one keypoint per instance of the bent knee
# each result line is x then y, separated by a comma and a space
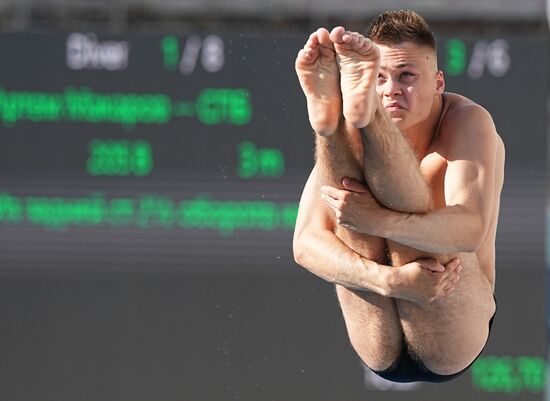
446, 368
377, 360
378, 353
450, 361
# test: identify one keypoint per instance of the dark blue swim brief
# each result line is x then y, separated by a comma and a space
408, 369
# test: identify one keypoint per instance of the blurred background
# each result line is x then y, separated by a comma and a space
152, 155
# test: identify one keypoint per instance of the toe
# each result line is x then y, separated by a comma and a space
324, 38
337, 33
313, 37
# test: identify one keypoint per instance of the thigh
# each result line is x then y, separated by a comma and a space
449, 333
371, 319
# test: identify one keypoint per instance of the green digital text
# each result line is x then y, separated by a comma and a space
511, 375
119, 158
216, 106
213, 106
456, 57
264, 162
148, 211
170, 51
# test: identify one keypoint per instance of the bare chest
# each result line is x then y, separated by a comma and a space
434, 167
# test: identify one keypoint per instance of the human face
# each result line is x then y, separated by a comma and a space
408, 83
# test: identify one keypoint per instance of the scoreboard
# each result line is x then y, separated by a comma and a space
176, 140
149, 186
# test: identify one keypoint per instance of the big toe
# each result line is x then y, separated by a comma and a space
324, 38
337, 33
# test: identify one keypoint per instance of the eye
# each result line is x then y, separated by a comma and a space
407, 74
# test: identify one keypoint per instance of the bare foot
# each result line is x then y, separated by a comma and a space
359, 61
319, 77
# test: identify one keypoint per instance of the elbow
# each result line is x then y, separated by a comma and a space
474, 239
472, 247
303, 246
469, 247
298, 248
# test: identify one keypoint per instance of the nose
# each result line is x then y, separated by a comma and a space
391, 88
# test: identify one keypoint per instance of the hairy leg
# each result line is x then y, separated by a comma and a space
448, 333
371, 320
391, 179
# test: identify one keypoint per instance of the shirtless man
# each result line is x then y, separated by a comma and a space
403, 199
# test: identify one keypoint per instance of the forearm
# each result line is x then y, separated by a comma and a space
326, 256
444, 231
392, 168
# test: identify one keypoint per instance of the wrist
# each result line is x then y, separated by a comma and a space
380, 277
389, 223
394, 279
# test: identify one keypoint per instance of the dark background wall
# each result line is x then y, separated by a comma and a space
145, 252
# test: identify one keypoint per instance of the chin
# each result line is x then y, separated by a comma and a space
399, 122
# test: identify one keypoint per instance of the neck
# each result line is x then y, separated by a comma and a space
421, 135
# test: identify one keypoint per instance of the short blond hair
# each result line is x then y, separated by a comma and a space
394, 27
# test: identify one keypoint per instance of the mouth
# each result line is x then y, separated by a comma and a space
394, 107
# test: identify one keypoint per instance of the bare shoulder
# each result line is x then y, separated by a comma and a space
464, 122
462, 114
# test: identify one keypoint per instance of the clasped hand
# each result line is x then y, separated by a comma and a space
425, 280
355, 207
422, 280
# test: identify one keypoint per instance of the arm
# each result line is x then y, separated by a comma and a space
463, 223
470, 178
319, 250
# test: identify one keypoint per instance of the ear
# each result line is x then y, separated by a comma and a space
440, 83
